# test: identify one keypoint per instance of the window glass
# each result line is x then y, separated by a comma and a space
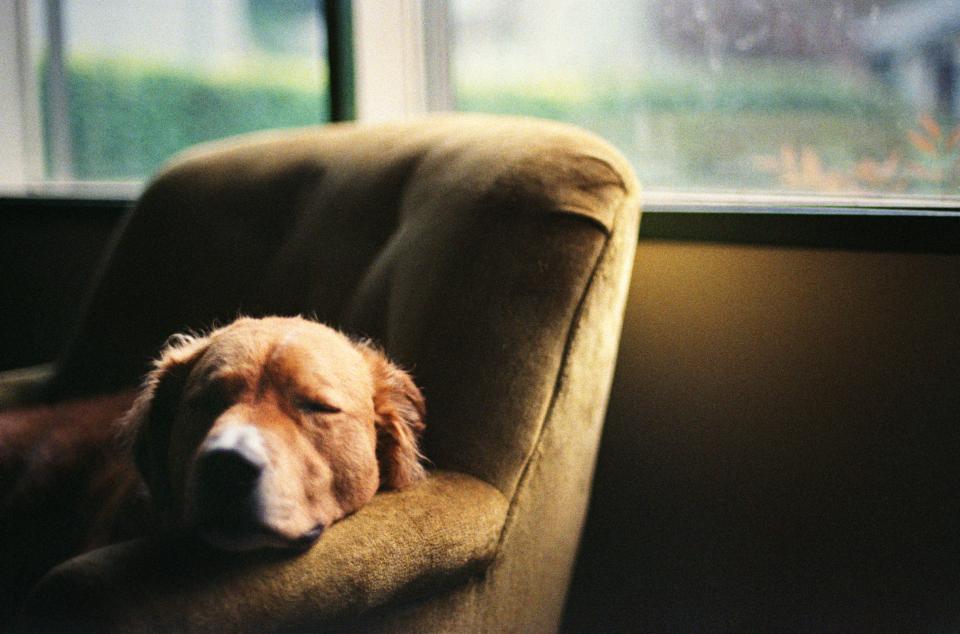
846, 97
124, 84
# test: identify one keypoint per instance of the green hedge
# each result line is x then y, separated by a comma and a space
701, 129
758, 86
126, 120
689, 129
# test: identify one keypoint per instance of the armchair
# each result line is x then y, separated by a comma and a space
490, 255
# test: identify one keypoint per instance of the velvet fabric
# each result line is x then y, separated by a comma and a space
400, 546
490, 255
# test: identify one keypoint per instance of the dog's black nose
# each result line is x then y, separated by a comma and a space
224, 504
225, 500
228, 475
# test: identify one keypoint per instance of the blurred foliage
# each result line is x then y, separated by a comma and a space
128, 118
795, 126
751, 130
780, 87
928, 162
270, 21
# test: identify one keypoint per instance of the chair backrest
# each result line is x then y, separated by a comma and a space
489, 255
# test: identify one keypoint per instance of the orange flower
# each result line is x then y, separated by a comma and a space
921, 142
879, 173
954, 138
931, 126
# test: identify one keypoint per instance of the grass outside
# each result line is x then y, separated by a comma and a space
825, 130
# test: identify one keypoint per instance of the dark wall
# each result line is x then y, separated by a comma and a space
48, 254
782, 449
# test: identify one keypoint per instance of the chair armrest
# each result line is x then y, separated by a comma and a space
400, 546
24, 386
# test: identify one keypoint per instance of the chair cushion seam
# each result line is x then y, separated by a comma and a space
558, 382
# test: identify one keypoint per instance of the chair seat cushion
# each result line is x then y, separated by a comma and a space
399, 546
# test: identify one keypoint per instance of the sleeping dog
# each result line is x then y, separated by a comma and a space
258, 435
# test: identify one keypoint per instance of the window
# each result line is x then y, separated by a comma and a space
778, 101
847, 99
107, 90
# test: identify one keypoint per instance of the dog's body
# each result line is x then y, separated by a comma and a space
260, 434
65, 487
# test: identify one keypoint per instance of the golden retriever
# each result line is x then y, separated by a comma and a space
259, 434
267, 431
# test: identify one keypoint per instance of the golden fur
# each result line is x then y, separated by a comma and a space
336, 421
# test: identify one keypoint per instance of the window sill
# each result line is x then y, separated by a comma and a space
125, 191
717, 218
656, 200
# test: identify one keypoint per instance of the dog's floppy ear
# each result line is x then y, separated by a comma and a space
148, 424
400, 410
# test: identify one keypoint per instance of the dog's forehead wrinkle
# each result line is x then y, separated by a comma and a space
215, 374
316, 359
227, 356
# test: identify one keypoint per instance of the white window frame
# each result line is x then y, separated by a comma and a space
392, 43
390, 76
21, 122
390, 67
21, 161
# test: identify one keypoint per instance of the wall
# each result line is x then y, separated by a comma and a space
48, 254
783, 445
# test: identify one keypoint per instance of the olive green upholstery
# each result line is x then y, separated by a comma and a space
490, 255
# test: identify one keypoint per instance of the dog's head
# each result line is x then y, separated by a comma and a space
266, 431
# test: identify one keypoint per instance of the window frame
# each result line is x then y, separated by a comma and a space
21, 161
376, 78
22, 172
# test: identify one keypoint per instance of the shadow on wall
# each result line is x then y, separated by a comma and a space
781, 449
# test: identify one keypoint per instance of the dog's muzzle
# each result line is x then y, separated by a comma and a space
227, 505
228, 471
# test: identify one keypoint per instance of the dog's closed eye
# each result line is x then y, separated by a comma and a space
314, 406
